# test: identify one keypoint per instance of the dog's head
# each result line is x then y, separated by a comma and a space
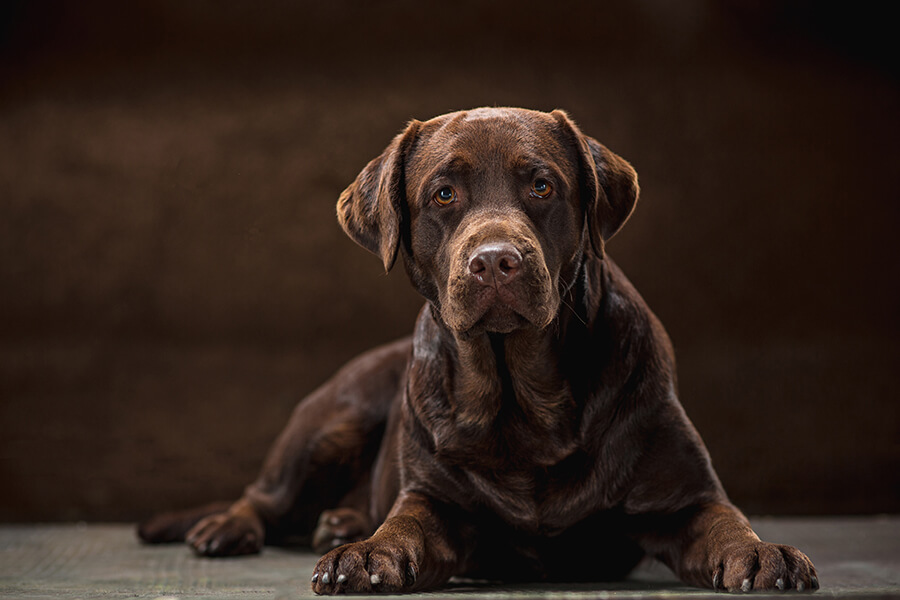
493, 210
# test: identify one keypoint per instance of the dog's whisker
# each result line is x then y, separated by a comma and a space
574, 312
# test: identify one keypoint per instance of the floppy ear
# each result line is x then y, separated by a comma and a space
370, 210
609, 185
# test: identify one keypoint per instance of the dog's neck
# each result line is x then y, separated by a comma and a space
514, 383
516, 373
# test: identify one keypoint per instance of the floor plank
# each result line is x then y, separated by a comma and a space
858, 557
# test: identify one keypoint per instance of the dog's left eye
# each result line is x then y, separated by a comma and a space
444, 196
541, 188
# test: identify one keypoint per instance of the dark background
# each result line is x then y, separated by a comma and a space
173, 279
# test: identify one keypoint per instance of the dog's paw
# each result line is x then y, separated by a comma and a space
340, 526
763, 566
226, 534
365, 567
174, 526
163, 529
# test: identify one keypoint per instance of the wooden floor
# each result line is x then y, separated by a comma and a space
855, 557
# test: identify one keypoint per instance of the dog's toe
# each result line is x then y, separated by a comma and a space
340, 526
225, 535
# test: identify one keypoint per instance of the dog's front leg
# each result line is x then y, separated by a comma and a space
714, 546
416, 548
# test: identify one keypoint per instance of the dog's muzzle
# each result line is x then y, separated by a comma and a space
498, 280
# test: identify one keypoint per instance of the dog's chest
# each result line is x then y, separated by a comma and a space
534, 479
509, 447
539, 500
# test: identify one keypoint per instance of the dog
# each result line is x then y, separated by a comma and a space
530, 428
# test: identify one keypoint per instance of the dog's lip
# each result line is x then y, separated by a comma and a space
489, 298
500, 319
500, 312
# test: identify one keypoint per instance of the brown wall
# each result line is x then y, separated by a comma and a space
172, 278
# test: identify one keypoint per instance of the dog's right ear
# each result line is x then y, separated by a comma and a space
370, 209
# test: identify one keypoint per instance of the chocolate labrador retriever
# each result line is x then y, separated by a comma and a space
530, 429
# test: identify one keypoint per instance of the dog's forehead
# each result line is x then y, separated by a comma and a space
509, 127
484, 135
502, 113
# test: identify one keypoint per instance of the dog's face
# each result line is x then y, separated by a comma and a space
492, 210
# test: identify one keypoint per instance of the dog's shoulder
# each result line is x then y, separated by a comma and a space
622, 319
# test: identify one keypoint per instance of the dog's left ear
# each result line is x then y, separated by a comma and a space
370, 209
608, 185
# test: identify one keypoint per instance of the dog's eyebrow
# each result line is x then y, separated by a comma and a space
526, 163
454, 165
527, 166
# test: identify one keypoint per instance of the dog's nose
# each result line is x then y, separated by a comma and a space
495, 263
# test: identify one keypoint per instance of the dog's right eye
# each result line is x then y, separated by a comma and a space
444, 196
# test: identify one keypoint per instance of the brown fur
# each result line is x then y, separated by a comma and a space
531, 428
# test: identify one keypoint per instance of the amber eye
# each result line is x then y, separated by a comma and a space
444, 196
541, 188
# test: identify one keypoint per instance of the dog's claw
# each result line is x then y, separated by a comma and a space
779, 583
375, 579
325, 578
315, 578
747, 585
815, 582
341, 578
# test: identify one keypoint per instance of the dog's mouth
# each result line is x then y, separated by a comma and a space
499, 316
